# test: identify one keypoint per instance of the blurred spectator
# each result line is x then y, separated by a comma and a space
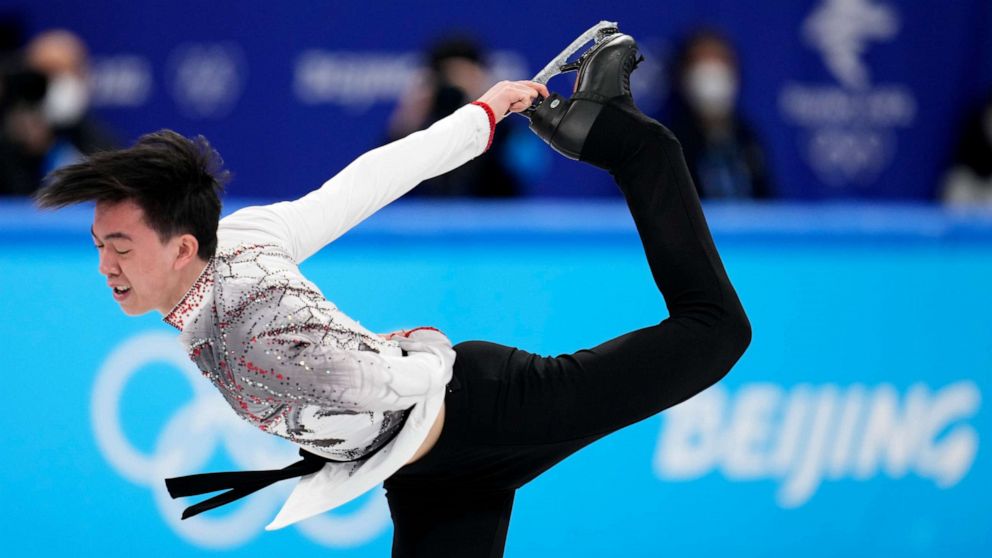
11, 34
24, 135
454, 75
63, 58
723, 152
969, 180
44, 103
17, 88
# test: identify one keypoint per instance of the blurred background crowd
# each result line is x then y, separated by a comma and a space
843, 149
829, 99
44, 94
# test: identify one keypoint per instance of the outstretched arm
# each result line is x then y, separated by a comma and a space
380, 176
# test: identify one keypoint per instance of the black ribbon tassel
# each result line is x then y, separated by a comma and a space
243, 483
239, 483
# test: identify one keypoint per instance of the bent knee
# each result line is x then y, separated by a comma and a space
726, 334
730, 340
732, 332
738, 332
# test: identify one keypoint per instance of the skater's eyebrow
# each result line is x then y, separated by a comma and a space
111, 236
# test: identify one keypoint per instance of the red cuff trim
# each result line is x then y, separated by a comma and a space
407, 333
492, 121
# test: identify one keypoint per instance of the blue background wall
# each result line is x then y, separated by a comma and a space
856, 423
291, 92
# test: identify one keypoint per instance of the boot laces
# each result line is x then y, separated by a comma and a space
630, 63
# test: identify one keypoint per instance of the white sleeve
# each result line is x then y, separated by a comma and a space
366, 185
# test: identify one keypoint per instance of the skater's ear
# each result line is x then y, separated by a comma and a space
186, 249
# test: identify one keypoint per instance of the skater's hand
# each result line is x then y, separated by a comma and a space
427, 340
512, 96
422, 333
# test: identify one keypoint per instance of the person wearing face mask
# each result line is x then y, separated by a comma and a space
723, 152
61, 56
969, 180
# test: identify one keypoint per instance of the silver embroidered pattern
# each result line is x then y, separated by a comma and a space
283, 356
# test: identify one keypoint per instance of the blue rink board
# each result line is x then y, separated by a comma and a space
856, 424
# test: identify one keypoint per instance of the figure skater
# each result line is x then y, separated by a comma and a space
453, 432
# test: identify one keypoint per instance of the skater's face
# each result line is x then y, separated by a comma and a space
143, 271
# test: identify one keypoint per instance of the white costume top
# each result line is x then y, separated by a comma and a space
288, 361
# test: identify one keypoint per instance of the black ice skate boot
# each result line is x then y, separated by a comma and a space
603, 76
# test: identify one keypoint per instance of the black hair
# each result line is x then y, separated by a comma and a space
175, 180
697, 37
453, 46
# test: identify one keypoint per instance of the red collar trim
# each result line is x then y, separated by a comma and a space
192, 299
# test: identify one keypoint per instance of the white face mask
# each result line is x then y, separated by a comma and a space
711, 88
66, 100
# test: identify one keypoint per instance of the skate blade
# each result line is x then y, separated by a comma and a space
560, 63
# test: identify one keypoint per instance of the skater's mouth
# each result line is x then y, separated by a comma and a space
121, 292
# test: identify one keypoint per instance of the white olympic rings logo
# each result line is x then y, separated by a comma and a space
190, 438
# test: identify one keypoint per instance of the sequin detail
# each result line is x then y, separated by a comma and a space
285, 358
193, 297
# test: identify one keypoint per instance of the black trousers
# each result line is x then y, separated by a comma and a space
512, 414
